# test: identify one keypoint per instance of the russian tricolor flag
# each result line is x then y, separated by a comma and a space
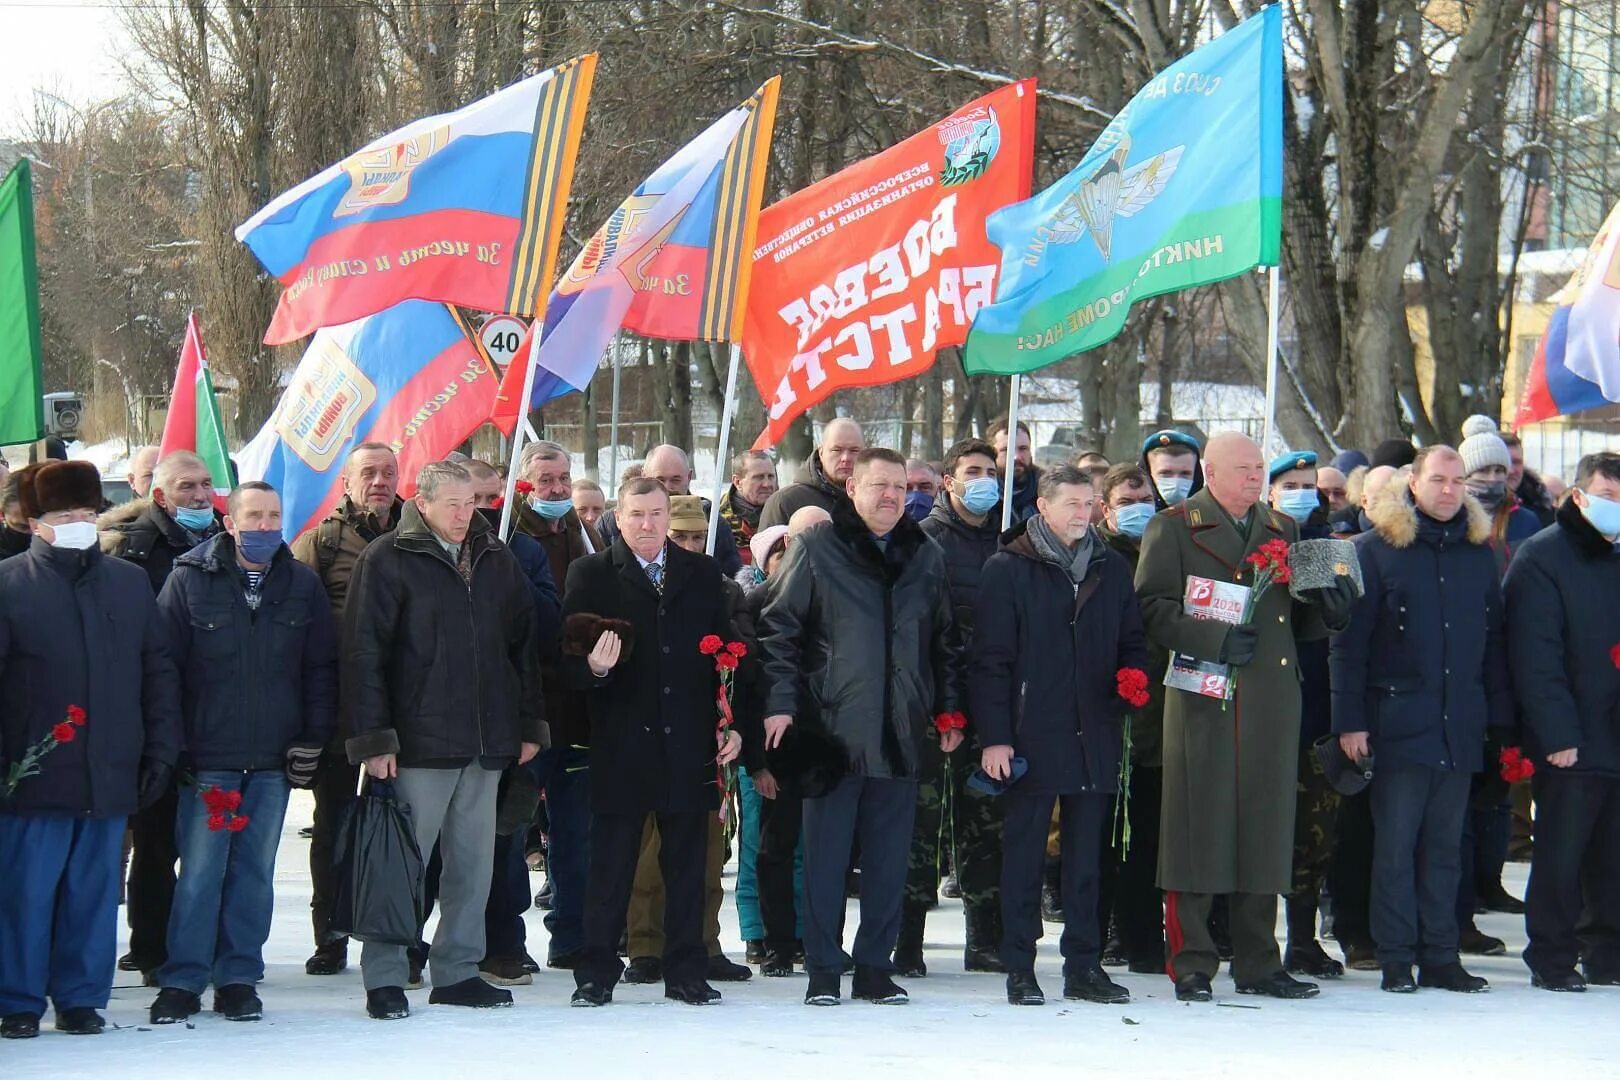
465, 208
410, 377
1577, 364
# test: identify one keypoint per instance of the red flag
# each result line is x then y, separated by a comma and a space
508, 408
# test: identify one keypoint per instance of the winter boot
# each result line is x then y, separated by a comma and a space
1305, 955
1451, 977
871, 984
983, 951
174, 1006
80, 1020
908, 948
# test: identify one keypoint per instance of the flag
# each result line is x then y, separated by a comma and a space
411, 377
862, 277
192, 422
1182, 188
22, 403
671, 261
465, 207
1577, 364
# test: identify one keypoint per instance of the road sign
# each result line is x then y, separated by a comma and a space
501, 335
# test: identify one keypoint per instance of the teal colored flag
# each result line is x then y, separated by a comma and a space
1182, 188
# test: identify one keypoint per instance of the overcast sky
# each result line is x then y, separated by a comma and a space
67, 46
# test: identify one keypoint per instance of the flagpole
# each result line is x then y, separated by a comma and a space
1274, 274
722, 446
532, 357
613, 419
1012, 454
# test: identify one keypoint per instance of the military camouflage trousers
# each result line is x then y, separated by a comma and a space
953, 821
1316, 826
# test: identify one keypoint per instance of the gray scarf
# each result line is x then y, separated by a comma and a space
1074, 561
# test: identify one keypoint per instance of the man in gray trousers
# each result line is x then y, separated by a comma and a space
441, 692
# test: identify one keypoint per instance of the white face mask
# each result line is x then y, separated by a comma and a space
74, 535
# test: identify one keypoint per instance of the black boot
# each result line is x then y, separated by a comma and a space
778, 962
329, 959
1022, 989
80, 1020
983, 951
1305, 955
908, 948
1451, 977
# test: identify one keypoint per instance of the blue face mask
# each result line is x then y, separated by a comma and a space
550, 509
1604, 514
981, 494
1133, 519
1173, 489
918, 503
1299, 504
196, 519
259, 546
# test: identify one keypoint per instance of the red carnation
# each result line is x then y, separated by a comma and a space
233, 799
75, 714
214, 799
524, 487
1132, 684
498, 502
1514, 765
1614, 655
737, 649
237, 823
216, 822
950, 721
725, 662
64, 732
710, 644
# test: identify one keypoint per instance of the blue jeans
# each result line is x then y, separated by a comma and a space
58, 911
749, 924
566, 778
222, 902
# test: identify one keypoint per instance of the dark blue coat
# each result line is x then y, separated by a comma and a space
1563, 607
547, 603
967, 548
1423, 666
1041, 677
80, 628
252, 682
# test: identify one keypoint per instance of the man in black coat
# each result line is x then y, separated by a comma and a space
1058, 622
1417, 677
440, 693
179, 516
966, 524
635, 617
860, 646
825, 476
1563, 599
672, 467
84, 661
256, 645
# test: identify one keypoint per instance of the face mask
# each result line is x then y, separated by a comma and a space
74, 535
1133, 519
550, 509
193, 518
918, 504
258, 546
981, 494
1173, 489
1299, 503
1604, 514
1490, 493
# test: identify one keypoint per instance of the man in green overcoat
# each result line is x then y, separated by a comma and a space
1230, 767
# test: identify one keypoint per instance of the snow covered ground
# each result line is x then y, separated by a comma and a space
958, 1025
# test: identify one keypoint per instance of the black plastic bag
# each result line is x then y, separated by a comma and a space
378, 897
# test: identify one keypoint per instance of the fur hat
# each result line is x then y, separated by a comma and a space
1484, 450
58, 485
1394, 453
581, 629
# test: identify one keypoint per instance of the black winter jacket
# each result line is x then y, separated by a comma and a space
860, 642
966, 548
437, 670
1563, 618
1041, 677
653, 716
812, 487
1423, 664
79, 628
154, 540
252, 682
1147, 723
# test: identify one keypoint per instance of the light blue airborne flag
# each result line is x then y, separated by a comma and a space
1182, 188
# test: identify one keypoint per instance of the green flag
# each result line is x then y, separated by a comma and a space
22, 408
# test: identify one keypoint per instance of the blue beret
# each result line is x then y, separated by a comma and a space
1163, 440
1299, 459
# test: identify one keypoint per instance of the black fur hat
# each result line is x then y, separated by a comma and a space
581, 629
51, 486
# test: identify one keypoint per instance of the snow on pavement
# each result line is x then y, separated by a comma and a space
957, 1025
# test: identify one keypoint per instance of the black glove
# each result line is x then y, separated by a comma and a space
154, 782
1240, 644
1335, 602
303, 759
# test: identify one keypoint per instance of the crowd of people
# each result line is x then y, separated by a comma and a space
899, 697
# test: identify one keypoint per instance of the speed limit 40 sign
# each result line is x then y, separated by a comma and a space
501, 335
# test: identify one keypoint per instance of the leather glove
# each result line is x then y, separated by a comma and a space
1240, 644
1335, 603
303, 760
154, 782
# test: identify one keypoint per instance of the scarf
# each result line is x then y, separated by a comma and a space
1074, 561
742, 516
